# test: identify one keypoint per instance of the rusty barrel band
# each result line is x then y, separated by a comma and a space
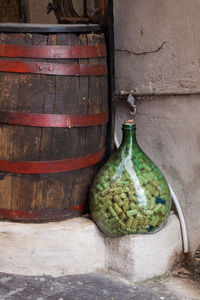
37, 51
52, 120
54, 166
34, 215
53, 68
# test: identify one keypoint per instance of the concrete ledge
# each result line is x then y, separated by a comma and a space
70, 247
76, 247
141, 257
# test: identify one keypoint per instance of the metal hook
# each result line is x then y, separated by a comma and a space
131, 101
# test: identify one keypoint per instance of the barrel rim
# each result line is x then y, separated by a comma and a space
49, 28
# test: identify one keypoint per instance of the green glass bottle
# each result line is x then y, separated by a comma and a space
129, 194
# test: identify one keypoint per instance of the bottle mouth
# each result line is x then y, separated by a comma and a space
129, 124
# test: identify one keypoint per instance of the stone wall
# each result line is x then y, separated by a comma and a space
157, 46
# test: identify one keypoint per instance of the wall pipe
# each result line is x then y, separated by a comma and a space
156, 94
178, 208
182, 220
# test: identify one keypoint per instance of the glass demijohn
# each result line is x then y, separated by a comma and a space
129, 194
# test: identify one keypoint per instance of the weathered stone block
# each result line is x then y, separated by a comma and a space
141, 257
70, 247
77, 247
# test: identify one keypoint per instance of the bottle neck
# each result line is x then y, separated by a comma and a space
129, 135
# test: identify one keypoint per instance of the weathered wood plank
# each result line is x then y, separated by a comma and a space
9, 11
9, 88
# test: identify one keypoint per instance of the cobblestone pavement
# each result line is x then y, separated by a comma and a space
80, 287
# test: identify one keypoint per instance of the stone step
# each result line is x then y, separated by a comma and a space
76, 246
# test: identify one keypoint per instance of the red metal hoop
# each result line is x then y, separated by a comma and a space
18, 51
54, 166
52, 120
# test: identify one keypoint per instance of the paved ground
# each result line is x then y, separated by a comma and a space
82, 287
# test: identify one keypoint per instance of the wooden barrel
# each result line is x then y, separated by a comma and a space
53, 119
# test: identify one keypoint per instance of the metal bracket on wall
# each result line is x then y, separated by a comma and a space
131, 101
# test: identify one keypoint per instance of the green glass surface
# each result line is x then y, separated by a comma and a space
129, 194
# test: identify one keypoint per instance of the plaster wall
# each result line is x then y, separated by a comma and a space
157, 49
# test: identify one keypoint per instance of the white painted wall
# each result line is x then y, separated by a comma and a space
143, 26
168, 127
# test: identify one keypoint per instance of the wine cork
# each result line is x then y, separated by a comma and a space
129, 122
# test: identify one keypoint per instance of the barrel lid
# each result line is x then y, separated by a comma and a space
49, 28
